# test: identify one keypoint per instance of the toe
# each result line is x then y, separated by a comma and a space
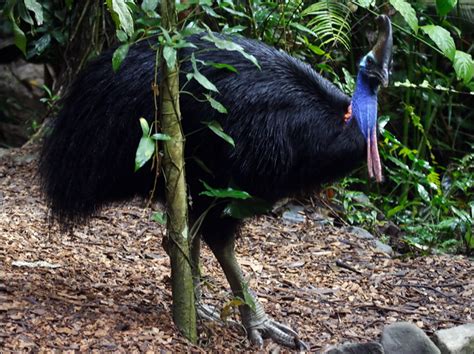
255, 337
284, 328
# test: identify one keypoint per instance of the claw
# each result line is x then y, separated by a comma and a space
284, 328
255, 337
259, 327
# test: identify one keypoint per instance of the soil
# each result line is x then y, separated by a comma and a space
105, 286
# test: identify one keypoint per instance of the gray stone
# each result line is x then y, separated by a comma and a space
456, 340
406, 338
360, 232
293, 214
356, 348
382, 247
24, 159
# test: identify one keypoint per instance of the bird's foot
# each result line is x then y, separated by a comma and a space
260, 326
279, 333
212, 313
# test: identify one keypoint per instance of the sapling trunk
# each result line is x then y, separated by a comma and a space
184, 313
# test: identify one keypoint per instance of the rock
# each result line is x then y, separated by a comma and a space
366, 235
360, 232
25, 159
293, 214
356, 348
382, 247
406, 338
20, 95
456, 340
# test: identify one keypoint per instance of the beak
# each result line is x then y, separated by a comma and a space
385, 77
382, 49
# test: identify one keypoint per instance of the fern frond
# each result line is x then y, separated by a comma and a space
329, 20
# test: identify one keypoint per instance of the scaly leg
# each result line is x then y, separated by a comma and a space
205, 312
259, 326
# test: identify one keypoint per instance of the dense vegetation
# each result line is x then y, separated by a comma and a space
427, 121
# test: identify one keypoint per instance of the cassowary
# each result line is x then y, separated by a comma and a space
293, 131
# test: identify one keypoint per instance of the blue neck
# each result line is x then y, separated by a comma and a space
364, 105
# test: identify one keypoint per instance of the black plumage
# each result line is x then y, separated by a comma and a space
287, 122
289, 125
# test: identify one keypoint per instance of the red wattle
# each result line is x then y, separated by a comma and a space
373, 158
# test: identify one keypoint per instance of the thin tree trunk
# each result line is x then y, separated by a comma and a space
184, 312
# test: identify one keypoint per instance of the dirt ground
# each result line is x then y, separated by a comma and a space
105, 286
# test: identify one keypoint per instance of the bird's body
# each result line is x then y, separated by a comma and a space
287, 121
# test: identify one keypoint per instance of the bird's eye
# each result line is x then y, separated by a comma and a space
370, 60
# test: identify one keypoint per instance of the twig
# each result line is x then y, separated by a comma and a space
344, 265
429, 288
389, 308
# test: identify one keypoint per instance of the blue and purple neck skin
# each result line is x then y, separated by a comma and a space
374, 71
364, 109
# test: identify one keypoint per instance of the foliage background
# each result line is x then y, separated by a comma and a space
427, 118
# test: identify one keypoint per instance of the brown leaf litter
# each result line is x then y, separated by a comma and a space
105, 286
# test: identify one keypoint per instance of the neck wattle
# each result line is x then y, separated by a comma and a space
364, 110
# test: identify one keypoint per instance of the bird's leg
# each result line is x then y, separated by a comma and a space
204, 311
258, 324
196, 260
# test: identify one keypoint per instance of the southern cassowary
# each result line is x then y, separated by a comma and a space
293, 131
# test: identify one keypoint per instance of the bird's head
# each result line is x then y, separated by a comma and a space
376, 64
374, 71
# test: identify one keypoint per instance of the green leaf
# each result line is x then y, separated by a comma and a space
442, 39
216, 104
18, 35
40, 45
315, 49
145, 151
149, 5
122, 16
226, 310
210, 11
161, 137
225, 44
222, 66
119, 55
463, 65
329, 21
396, 209
159, 217
201, 164
23, 13
407, 12
203, 81
241, 209
59, 36
302, 28
249, 298
366, 3
170, 54
224, 193
69, 4
121, 35
145, 127
217, 129
445, 6
423, 192
36, 8
234, 12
